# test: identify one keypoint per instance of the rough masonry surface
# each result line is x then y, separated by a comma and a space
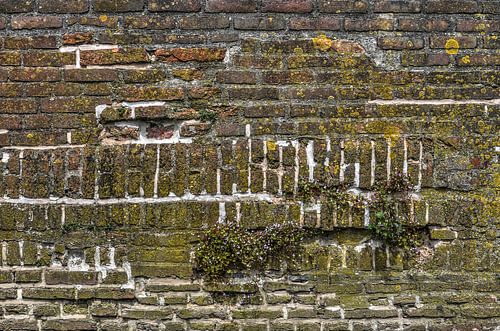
127, 127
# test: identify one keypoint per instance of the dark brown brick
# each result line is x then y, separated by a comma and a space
203, 22
48, 59
478, 26
376, 24
259, 23
236, 77
18, 106
16, 6
114, 56
72, 105
322, 23
149, 22
398, 6
431, 25
479, 60
10, 58
463, 41
231, 6
287, 6
35, 74
54, 277
451, 6
141, 93
190, 54
343, 6
117, 6
90, 75
36, 22
399, 43
77, 38
20, 42
63, 6
174, 5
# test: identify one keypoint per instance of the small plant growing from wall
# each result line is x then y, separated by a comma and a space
227, 248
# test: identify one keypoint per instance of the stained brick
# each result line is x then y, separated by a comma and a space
114, 56
15, 6
36, 22
287, 6
63, 6
231, 6
342, 6
174, 5
118, 5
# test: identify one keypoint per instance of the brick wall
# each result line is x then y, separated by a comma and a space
129, 126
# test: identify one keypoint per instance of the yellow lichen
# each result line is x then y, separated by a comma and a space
103, 18
465, 59
322, 42
452, 46
271, 145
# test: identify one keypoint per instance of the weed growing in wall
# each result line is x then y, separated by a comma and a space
227, 248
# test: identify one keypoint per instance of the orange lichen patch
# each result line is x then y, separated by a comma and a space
191, 54
323, 43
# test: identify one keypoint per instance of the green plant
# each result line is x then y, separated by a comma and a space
207, 115
391, 202
227, 248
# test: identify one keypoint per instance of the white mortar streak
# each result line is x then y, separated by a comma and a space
420, 160
238, 212
372, 164
280, 170
405, 156
366, 218
5, 157
96, 177
77, 58
356, 174
4, 253
222, 212
328, 151
128, 270
310, 159
218, 181
21, 251
247, 134
342, 165
157, 172
63, 214
389, 142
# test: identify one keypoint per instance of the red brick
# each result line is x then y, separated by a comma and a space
287, 6
204, 92
424, 59
398, 6
174, 5
90, 75
478, 26
343, 6
236, 77
432, 25
150, 22
141, 93
194, 128
48, 59
114, 56
35, 74
10, 58
63, 6
117, 6
322, 23
259, 23
21, 42
18, 106
190, 54
382, 24
2, 23
36, 22
10, 122
231, 6
11, 90
16, 6
451, 6
463, 41
77, 38
479, 60
399, 43
203, 22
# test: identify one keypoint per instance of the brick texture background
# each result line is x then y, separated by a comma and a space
129, 126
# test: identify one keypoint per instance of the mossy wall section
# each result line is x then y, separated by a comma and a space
127, 128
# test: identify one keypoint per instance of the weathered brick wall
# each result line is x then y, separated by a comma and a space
128, 126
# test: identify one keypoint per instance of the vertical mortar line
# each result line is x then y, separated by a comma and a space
127, 167
420, 160
342, 165
238, 212
372, 164
77, 58
389, 142
264, 167
357, 165
280, 170
247, 134
97, 174
21, 159
219, 165
234, 186
405, 156
310, 159
328, 151
157, 172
